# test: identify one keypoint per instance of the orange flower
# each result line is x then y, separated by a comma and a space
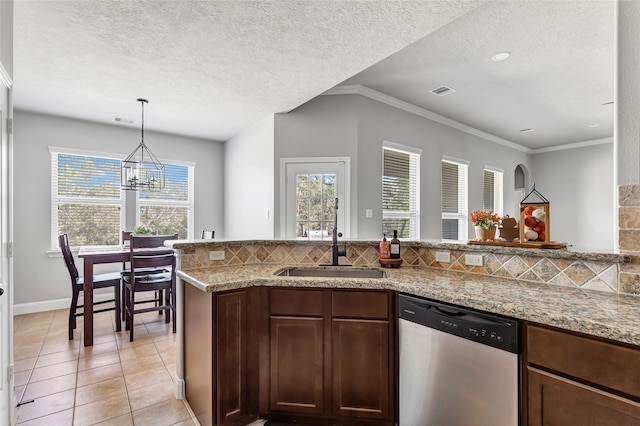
484, 219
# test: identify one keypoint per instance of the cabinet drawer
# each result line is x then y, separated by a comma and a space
591, 360
360, 304
296, 302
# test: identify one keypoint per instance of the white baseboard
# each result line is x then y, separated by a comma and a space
51, 305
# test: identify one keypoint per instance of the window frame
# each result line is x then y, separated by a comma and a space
189, 203
498, 189
414, 188
463, 198
56, 199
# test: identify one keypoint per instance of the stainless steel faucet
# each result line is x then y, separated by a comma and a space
335, 252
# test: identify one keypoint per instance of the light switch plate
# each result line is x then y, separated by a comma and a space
473, 259
216, 255
443, 257
368, 213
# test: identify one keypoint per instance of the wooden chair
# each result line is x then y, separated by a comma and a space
208, 235
150, 272
99, 281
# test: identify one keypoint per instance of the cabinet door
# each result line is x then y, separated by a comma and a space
297, 365
361, 385
232, 357
554, 400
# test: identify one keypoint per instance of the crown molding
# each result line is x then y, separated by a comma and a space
358, 89
572, 145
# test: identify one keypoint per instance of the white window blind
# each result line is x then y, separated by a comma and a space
492, 191
454, 200
171, 210
86, 200
401, 191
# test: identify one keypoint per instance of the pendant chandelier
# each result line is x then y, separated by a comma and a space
141, 170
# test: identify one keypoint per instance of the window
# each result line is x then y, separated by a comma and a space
401, 191
88, 204
170, 210
492, 190
86, 200
454, 199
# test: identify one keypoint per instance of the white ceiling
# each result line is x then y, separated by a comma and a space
212, 68
559, 74
208, 68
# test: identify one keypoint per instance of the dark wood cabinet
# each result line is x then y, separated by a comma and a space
361, 374
332, 357
297, 365
573, 379
220, 356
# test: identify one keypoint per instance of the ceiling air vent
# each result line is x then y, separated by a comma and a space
442, 90
123, 120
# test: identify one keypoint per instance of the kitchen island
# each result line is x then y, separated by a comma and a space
240, 288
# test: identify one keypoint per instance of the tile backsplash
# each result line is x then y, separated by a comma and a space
592, 274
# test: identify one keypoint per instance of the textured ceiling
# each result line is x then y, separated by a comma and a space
208, 68
559, 75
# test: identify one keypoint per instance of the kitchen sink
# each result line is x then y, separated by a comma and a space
331, 273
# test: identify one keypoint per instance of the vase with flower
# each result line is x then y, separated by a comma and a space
484, 224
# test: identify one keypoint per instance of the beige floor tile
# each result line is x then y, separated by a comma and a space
99, 374
59, 344
46, 405
62, 418
138, 351
22, 351
147, 363
98, 349
99, 360
46, 363
52, 371
146, 378
187, 422
162, 414
150, 395
56, 358
101, 390
50, 386
126, 420
21, 378
101, 410
25, 364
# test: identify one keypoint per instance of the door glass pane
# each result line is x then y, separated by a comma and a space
315, 201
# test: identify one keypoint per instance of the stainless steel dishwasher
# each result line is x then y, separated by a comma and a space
458, 367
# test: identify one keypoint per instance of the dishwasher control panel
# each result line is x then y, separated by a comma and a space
489, 329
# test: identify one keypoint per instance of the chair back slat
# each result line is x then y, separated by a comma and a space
63, 242
153, 260
150, 241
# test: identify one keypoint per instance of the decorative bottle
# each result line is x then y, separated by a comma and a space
384, 247
394, 249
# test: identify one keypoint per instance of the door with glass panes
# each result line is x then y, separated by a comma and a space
311, 190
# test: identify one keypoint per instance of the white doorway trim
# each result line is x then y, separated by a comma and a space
344, 204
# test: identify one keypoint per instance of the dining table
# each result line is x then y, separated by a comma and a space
94, 255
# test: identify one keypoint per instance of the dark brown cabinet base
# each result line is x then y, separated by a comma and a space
573, 379
221, 356
332, 357
309, 356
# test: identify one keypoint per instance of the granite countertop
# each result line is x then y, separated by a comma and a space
607, 315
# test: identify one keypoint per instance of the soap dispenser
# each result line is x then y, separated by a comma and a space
394, 249
384, 247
